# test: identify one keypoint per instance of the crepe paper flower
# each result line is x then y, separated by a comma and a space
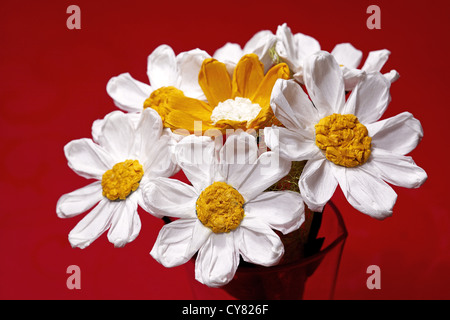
127, 157
225, 212
163, 69
238, 102
344, 142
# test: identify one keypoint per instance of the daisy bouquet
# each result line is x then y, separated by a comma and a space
264, 134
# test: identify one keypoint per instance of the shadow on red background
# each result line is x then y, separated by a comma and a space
53, 87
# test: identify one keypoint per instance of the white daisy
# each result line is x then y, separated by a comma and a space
164, 69
128, 156
344, 142
225, 212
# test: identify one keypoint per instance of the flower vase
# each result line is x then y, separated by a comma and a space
306, 271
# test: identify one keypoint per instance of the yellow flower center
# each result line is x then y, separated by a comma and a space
122, 179
344, 139
220, 207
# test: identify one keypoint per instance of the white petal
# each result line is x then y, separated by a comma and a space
392, 76
230, 52
162, 70
217, 260
117, 136
252, 179
239, 149
396, 169
399, 134
196, 157
280, 210
352, 77
347, 55
93, 224
324, 82
147, 134
370, 98
306, 45
287, 48
128, 94
376, 60
289, 144
317, 182
178, 241
258, 244
366, 192
189, 64
79, 201
170, 197
292, 106
125, 223
260, 44
88, 159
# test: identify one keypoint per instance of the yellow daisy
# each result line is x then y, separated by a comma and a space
238, 102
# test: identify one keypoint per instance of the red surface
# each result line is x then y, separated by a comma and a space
52, 88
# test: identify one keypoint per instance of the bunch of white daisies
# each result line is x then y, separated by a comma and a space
280, 89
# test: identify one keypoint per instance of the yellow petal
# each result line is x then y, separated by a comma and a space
178, 111
264, 90
214, 81
247, 76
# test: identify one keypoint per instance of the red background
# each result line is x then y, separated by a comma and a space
52, 88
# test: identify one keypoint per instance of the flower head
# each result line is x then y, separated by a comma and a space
238, 102
343, 141
129, 155
225, 212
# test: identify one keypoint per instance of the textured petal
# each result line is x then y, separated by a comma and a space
366, 192
88, 159
79, 201
128, 94
258, 243
239, 149
396, 169
370, 98
230, 52
215, 81
376, 60
292, 106
217, 260
247, 76
317, 182
93, 224
170, 197
148, 142
260, 44
352, 77
347, 55
324, 82
399, 134
252, 179
125, 223
189, 64
196, 157
117, 136
178, 241
162, 69
291, 145
280, 210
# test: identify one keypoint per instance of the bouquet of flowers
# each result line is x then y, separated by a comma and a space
264, 135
